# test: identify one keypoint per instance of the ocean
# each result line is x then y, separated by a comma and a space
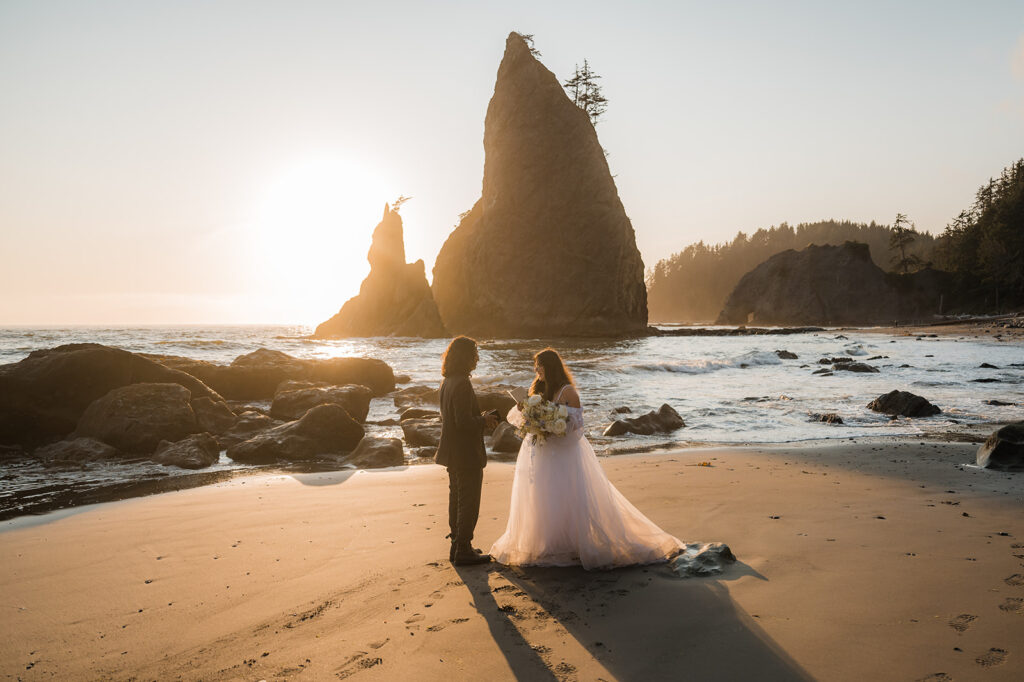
728, 389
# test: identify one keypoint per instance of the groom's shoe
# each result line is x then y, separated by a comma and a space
454, 550
467, 556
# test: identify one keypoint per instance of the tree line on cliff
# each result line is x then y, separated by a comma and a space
692, 285
983, 247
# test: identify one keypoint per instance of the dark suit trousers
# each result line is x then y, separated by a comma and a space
464, 486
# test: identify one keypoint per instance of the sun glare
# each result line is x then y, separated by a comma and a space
313, 224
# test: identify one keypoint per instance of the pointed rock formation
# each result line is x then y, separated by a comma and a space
394, 299
548, 249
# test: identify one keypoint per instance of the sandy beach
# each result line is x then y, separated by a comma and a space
889, 560
993, 329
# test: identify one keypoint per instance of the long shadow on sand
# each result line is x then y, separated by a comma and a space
324, 477
639, 623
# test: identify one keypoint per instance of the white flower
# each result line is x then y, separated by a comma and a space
563, 411
533, 400
558, 427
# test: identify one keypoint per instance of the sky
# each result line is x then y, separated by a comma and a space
225, 162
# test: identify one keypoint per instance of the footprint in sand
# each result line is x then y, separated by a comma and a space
1015, 580
414, 618
936, 677
564, 671
1013, 605
356, 664
991, 658
962, 622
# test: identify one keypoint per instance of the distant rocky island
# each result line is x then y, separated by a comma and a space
547, 250
834, 285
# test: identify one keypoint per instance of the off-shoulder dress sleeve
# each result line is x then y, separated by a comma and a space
575, 418
515, 417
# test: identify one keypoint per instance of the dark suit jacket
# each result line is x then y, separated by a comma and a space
462, 426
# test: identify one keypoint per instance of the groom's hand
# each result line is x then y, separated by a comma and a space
490, 421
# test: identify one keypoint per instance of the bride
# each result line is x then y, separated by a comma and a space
564, 510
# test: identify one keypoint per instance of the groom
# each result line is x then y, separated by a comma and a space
461, 448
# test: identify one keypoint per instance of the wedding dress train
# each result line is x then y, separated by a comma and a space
565, 512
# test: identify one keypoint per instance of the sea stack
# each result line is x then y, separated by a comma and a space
548, 249
394, 299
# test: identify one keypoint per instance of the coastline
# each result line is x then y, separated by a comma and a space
902, 551
975, 328
68, 502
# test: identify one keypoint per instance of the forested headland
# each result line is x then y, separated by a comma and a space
692, 285
983, 246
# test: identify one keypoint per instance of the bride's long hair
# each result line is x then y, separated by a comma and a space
556, 374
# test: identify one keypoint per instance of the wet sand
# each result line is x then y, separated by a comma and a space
978, 329
861, 561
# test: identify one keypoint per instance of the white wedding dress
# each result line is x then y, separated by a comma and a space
565, 511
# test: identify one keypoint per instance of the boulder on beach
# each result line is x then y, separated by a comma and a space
247, 425
77, 450
505, 439
418, 413
136, 417
904, 404
548, 249
294, 398
826, 418
214, 416
857, 367
1004, 449
495, 399
665, 420
702, 559
394, 299
416, 395
257, 375
323, 431
422, 432
43, 396
786, 355
198, 451
373, 453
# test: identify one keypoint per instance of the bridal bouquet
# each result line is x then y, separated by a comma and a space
542, 418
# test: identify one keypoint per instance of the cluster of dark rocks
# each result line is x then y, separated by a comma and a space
87, 402
81, 403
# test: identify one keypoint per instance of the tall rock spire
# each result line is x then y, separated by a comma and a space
394, 299
548, 249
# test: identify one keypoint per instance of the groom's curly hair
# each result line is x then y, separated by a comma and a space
556, 374
460, 357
